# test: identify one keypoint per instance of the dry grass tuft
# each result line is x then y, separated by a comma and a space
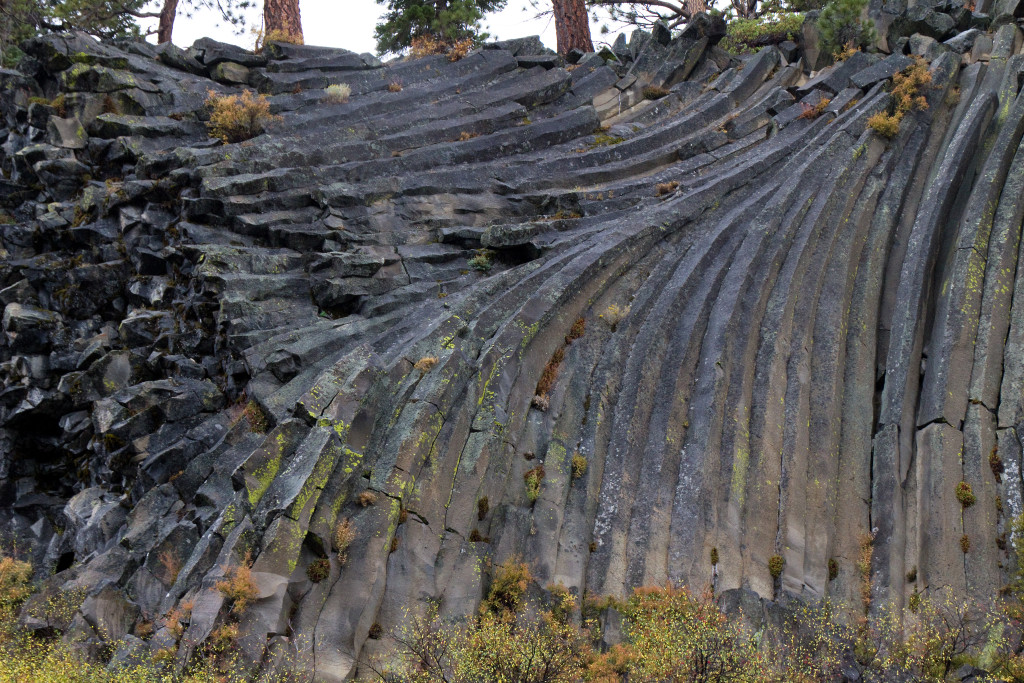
337, 93
812, 112
662, 189
344, 534
171, 565
425, 364
654, 92
576, 331
550, 374
867, 550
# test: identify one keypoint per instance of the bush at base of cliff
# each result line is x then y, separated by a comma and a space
45, 657
672, 634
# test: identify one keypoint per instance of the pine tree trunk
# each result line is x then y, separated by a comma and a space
282, 17
572, 26
166, 27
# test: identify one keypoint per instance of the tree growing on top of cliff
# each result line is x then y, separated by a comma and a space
447, 21
282, 21
841, 25
572, 26
106, 19
645, 15
231, 12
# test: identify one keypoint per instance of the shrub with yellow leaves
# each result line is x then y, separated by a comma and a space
906, 97
235, 118
238, 586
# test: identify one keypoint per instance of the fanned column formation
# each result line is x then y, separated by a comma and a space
616, 317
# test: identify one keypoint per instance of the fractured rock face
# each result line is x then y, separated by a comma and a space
341, 350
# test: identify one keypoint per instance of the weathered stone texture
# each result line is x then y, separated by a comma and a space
798, 337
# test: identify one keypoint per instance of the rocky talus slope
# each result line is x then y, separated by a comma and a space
763, 333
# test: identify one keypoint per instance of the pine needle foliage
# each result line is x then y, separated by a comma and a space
443, 22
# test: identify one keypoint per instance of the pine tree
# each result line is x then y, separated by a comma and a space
231, 12
282, 21
572, 26
104, 19
841, 26
23, 19
444, 20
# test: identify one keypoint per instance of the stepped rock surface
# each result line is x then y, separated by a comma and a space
763, 331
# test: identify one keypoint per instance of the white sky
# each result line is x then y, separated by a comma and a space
350, 23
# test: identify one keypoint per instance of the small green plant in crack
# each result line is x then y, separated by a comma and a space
775, 565
605, 140
256, 417
995, 463
482, 261
532, 479
318, 570
579, 465
965, 494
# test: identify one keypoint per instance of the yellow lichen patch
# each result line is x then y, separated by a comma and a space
263, 477
529, 332
741, 461
555, 456
352, 460
313, 487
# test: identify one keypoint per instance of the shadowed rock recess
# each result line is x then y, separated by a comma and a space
764, 333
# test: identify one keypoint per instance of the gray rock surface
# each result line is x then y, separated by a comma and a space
797, 334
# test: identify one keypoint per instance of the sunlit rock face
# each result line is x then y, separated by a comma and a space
604, 316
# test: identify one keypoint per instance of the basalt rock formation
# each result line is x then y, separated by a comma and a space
506, 306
